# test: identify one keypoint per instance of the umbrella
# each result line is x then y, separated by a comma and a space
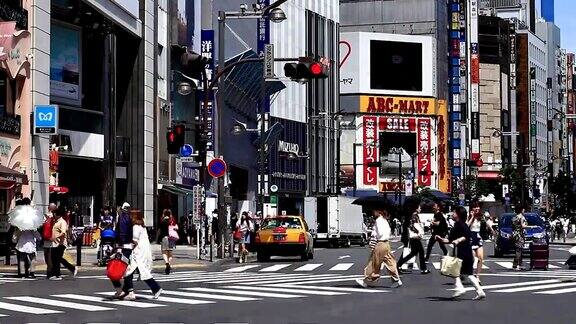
374, 202
25, 217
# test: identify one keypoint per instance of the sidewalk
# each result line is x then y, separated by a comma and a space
184, 257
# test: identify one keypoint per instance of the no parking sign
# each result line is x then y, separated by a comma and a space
217, 168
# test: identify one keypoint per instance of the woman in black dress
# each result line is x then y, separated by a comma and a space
460, 237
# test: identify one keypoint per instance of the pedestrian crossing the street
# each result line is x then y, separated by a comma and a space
267, 287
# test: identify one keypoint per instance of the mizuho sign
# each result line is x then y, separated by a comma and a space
288, 147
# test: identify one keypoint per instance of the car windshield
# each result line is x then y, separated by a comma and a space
532, 219
286, 222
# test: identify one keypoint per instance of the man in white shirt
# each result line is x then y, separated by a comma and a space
381, 252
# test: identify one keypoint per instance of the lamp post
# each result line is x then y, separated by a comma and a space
274, 14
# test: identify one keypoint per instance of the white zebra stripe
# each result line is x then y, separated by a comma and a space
536, 287
242, 268
309, 267
341, 267
27, 309
113, 302
60, 303
207, 296
245, 293
288, 290
275, 267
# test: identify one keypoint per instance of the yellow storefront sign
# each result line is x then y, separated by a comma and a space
398, 105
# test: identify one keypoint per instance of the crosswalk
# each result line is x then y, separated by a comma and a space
6, 278
539, 287
229, 287
493, 265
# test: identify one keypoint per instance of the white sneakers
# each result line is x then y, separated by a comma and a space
396, 284
129, 296
481, 295
158, 293
459, 292
362, 283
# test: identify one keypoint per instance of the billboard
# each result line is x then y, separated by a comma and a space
390, 64
65, 77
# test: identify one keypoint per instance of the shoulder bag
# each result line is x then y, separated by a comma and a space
451, 265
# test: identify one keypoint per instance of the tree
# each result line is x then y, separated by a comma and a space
513, 177
562, 189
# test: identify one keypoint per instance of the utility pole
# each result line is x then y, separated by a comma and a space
219, 150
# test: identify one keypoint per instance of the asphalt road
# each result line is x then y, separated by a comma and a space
290, 291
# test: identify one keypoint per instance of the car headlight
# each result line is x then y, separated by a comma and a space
505, 235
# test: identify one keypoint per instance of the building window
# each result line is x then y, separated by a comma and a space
8, 94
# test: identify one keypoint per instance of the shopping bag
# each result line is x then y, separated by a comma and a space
450, 266
412, 261
237, 235
116, 267
68, 257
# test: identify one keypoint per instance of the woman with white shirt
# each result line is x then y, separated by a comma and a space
140, 259
381, 252
26, 251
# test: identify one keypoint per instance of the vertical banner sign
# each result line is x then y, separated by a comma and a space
370, 150
455, 32
424, 156
207, 50
263, 29
533, 109
474, 81
444, 180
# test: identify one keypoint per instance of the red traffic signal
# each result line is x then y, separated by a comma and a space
175, 139
305, 69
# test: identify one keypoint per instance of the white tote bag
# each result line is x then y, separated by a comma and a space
412, 261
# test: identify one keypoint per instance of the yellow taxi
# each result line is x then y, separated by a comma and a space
284, 236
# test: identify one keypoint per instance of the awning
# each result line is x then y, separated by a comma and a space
181, 191
489, 175
9, 175
58, 189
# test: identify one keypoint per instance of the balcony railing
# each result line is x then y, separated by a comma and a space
500, 3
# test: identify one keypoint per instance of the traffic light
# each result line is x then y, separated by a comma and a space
175, 139
189, 63
306, 69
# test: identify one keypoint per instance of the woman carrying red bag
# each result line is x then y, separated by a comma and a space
168, 236
141, 259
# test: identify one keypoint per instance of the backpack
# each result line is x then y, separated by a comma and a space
47, 229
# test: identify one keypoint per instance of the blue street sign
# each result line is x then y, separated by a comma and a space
46, 119
186, 150
217, 168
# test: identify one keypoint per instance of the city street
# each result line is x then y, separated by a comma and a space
290, 291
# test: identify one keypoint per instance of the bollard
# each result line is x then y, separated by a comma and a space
79, 250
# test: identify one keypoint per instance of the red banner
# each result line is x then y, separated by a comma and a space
424, 156
370, 148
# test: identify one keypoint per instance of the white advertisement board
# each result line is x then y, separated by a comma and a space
387, 64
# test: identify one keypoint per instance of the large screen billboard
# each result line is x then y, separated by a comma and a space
387, 64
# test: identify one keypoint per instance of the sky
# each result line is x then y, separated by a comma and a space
565, 18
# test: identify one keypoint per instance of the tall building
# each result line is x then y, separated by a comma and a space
301, 150
393, 92
550, 34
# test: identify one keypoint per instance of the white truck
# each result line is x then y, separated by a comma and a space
335, 220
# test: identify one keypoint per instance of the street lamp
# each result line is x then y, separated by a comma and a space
241, 128
277, 15
259, 12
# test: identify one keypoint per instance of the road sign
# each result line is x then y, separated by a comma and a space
217, 168
505, 190
186, 150
268, 61
274, 200
46, 119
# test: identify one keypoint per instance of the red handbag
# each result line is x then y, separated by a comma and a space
116, 268
237, 235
